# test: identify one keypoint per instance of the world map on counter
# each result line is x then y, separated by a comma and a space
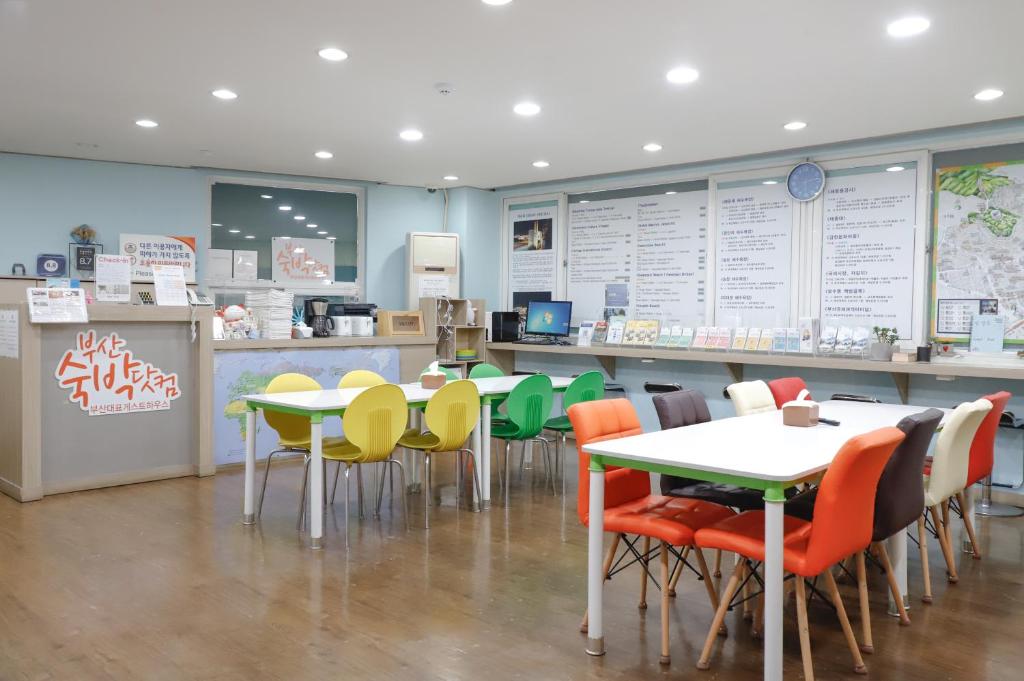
246, 372
978, 254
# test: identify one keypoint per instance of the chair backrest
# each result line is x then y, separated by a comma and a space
361, 378
375, 420
900, 497
485, 370
953, 451
681, 408
844, 506
786, 389
983, 446
586, 387
449, 374
606, 420
529, 405
291, 429
751, 397
452, 413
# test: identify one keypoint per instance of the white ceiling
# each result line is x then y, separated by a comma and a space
77, 74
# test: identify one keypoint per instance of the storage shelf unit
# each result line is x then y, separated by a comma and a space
453, 330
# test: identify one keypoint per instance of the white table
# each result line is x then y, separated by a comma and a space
753, 451
316, 404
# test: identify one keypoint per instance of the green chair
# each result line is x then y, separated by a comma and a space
485, 370
586, 387
529, 406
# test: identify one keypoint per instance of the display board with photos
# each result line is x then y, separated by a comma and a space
532, 269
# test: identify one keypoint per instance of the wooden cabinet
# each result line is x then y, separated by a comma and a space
460, 344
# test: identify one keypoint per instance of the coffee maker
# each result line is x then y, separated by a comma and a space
316, 317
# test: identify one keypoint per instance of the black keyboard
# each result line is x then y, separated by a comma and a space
534, 340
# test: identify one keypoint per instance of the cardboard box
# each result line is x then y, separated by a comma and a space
800, 413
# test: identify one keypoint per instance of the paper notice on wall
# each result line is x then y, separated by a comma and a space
754, 254
532, 265
867, 250
169, 284
9, 334
146, 250
113, 278
433, 285
56, 305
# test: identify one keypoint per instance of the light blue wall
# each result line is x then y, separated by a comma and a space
473, 214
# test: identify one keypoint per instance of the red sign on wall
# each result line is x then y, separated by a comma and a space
104, 377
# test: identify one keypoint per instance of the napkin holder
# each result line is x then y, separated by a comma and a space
801, 412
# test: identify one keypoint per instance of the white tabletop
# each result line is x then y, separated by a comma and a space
334, 400
756, 446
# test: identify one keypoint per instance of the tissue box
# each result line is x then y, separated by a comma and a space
433, 381
802, 413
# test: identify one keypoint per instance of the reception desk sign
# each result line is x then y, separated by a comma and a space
104, 377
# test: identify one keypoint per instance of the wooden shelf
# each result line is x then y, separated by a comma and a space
503, 355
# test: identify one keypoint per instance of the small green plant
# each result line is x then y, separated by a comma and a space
886, 335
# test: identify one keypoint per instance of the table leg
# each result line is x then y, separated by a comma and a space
485, 471
316, 475
896, 546
595, 571
248, 512
774, 500
478, 458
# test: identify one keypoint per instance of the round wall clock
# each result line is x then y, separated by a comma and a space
806, 181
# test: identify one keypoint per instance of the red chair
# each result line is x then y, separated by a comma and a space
982, 458
786, 389
631, 509
841, 527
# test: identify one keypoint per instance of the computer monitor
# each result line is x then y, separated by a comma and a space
548, 318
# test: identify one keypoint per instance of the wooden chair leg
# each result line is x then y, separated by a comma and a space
805, 633
677, 572
723, 607
894, 588
868, 645
922, 542
748, 592
607, 566
709, 586
665, 600
844, 622
644, 563
718, 563
969, 526
757, 629
947, 550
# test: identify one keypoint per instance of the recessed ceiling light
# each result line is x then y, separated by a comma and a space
585, 201
652, 146
285, 237
770, 182
908, 26
249, 236
324, 155
224, 94
795, 125
299, 217
146, 123
527, 108
284, 207
216, 224
266, 196
895, 169
411, 135
988, 95
496, 3
451, 178
312, 225
333, 54
332, 238
540, 164
321, 233
669, 193
234, 231
681, 75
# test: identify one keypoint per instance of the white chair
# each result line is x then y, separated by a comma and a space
751, 397
946, 478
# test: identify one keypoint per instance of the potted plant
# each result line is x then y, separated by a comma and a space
885, 339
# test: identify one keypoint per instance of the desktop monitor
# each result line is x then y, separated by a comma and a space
548, 318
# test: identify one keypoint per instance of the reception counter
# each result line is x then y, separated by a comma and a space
123, 398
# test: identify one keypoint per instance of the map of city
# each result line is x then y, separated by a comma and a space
978, 254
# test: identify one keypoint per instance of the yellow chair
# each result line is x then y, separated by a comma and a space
373, 423
361, 378
292, 431
451, 414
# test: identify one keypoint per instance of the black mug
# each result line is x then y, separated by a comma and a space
924, 353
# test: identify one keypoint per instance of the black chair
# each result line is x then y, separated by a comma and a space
846, 397
657, 388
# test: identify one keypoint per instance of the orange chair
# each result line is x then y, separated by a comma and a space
841, 527
631, 509
982, 459
786, 389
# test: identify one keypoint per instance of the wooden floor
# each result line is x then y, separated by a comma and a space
161, 581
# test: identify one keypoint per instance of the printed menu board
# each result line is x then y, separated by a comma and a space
753, 246
867, 252
638, 257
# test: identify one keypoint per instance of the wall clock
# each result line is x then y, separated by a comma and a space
806, 181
